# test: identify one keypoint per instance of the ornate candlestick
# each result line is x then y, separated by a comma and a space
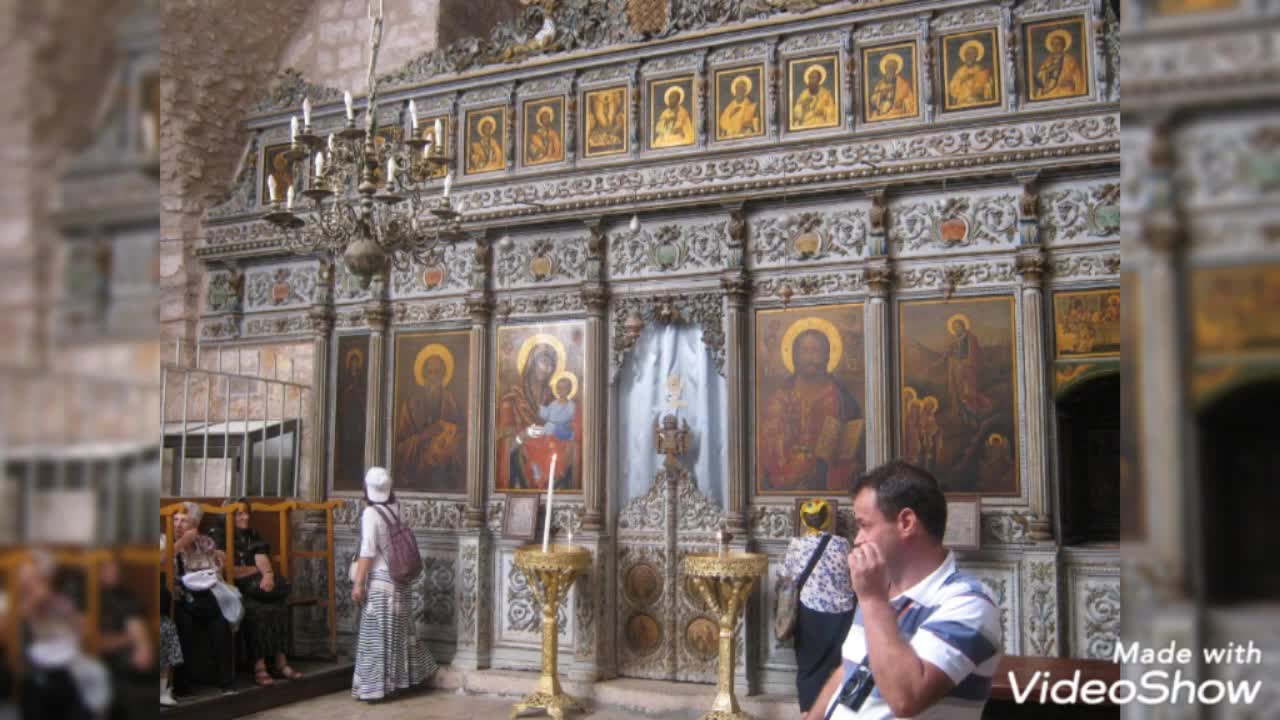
724, 581
550, 576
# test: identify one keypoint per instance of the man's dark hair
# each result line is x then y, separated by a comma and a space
898, 485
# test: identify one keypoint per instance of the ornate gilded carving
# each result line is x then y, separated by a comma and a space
529, 262
647, 17
290, 89
809, 236
449, 268
703, 309
1102, 619
955, 222
668, 248
1040, 607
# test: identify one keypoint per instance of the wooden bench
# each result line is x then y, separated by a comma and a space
270, 517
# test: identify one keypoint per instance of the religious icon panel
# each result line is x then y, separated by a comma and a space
442, 144
889, 87
739, 109
351, 394
486, 138
276, 165
813, 93
605, 122
810, 385
544, 131
429, 412
959, 392
671, 112
1086, 323
1057, 61
540, 391
970, 71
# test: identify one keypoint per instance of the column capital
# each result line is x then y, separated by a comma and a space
1032, 266
596, 297
480, 308
879, 278
322, 319
376, 315
735, 286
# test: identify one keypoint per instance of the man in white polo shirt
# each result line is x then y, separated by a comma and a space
926, 639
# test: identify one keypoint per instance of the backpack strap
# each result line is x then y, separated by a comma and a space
813, 562
392, 519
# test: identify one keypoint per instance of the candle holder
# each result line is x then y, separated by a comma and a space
724, 581
550, 576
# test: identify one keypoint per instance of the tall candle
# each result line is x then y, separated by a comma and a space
293, 128
551, 491
439, 128
272, 188
413, 114
330, 144
391, 170
289, 199
319, 164
306, 112
346, 98
448, 183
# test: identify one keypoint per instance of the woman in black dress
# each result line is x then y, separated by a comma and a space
266, 609
206, 611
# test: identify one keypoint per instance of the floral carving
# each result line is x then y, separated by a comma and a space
1006, 528
281, 287
1086, 265
1102, 620
448, 269
933, 276
1040, 610
703, 309
297, 323
955, 222
809, 236
810, 284
524, 612
437, 581
417, 313
559, 303
529, 262
980, 15
669, 248
1079, 213
469, 593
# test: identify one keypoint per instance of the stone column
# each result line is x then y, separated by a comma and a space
321, 340
376, 315
735, 286
1030, 266
595, 296
475, 599
481, 311
879, 410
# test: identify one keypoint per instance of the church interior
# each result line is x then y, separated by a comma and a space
635, 280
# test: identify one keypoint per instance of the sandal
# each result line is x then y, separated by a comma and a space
288, 673
262, 678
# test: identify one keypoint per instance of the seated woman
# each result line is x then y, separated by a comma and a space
207, 610
60, 680
170, 647
266, 609
124, 643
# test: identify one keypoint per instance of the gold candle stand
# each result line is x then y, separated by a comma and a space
725, 580
550, 576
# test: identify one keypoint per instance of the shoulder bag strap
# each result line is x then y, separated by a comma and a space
813, 562
392, 520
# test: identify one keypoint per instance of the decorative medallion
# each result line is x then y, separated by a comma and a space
433, 276
808, 244
280, 289
953, 230
541, 267
647, 17
643, 584
667, 252
643, 634
702, 637
1105, 218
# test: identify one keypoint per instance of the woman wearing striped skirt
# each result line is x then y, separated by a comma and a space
389, 656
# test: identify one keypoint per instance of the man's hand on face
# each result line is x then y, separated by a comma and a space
868, 572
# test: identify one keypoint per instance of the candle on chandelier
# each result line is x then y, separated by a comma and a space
293, 128
551, 492
439, 128
346, 99
272, 189
413, 115
635, 223
448, 183
306, 112
391, 170
331, 144
319, 164
288, 203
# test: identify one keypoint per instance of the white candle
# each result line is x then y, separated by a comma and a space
272, 189
330, 144
439, 128
289, 199
413, 114
391, 170
551, 492
319, 164
635, 223
346, 98
426, 149
293, 128
448, 183
306, 112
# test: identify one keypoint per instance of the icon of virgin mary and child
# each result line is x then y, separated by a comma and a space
538, 418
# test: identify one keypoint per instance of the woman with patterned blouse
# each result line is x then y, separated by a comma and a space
826, 605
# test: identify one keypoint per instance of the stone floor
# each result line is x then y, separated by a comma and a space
433, 705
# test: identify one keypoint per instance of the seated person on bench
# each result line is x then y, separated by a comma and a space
207, 610
124, 644
266, 609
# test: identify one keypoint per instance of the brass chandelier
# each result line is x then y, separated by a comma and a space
371, 219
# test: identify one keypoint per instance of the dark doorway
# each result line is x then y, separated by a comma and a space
1239, 469
1089, 467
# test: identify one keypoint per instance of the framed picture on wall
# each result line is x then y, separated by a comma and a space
964, 522
520, 517
1057, 64
832, 519
429, 410
351, 395
604, 122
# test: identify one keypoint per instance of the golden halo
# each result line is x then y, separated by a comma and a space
547, 111
740, 79
982, 51
822, 326
968, 325
928, 401
1066, 39
493, 124
995, 440
666, 96
355, 356
540, 338
909, 394
822, 73
902, 65
565, 375
433, 350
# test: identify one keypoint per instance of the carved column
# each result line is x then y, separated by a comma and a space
481, 309
322, 332
774, 78
1010, 53
702, 110
1028, 210
634, 99
735, 286
879, 410
595, 296
1030, 265
376, 315
475, 599
926, 74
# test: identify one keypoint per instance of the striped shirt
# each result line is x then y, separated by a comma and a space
950, 622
